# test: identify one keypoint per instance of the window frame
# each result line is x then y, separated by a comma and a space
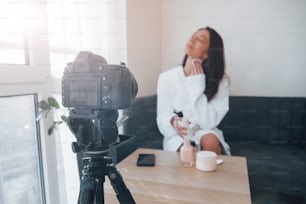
34, 78
38, 147
40, 152
36, 67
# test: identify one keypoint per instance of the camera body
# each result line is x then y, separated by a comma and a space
90, 83
94, 91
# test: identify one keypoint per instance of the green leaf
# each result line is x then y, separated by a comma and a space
51, 129
58, 122
44, 105
49, 105
53, 102
64, 118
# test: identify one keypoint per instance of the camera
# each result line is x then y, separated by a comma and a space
94, 91
90, 83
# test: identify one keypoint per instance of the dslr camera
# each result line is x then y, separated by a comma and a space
94, 91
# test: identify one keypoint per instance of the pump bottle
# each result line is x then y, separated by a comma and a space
187, 151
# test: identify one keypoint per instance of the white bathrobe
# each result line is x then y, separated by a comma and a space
176, 92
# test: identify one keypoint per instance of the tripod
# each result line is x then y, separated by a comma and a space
95, 167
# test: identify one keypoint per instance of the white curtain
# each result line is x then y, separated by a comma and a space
98, 26
86, 25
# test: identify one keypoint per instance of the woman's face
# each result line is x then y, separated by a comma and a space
198, 44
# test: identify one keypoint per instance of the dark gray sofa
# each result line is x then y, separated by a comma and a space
269, 131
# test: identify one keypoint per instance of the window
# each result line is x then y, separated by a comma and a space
21, 180
12, 46
13, 40
23, 42
96, 26
46, 34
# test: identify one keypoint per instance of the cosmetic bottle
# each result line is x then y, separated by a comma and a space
187, 151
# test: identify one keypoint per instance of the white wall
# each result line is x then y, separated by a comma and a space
144, 43
265, 44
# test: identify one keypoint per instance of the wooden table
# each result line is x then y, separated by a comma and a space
170, 182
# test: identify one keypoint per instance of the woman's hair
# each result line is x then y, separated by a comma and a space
214, 65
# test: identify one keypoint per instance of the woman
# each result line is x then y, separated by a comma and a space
199, 90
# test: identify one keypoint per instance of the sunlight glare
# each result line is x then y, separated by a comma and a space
16, 19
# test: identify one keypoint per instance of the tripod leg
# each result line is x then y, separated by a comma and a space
100, 192
91, 188
122, 192
87, 191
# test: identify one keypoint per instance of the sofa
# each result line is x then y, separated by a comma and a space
269, 131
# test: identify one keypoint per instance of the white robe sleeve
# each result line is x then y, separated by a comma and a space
207, 114
164, 107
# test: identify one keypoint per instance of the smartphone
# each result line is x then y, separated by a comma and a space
146, 160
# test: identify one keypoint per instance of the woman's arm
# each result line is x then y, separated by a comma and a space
206, 114
164, 108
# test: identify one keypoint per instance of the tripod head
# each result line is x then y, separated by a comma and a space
95, 130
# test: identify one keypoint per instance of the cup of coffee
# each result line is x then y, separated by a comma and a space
206, 161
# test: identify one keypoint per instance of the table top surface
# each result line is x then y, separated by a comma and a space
170, 182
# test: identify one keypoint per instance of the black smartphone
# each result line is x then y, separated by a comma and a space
146, 160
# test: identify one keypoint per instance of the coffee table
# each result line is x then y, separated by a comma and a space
170, 182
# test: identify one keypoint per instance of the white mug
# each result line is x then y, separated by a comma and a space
206, 161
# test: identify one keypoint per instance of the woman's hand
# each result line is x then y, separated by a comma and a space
196, 67
181, 131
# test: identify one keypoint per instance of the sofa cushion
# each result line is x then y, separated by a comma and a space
278, 167
265, 120
142, 122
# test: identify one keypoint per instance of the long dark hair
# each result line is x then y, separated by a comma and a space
214, 65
